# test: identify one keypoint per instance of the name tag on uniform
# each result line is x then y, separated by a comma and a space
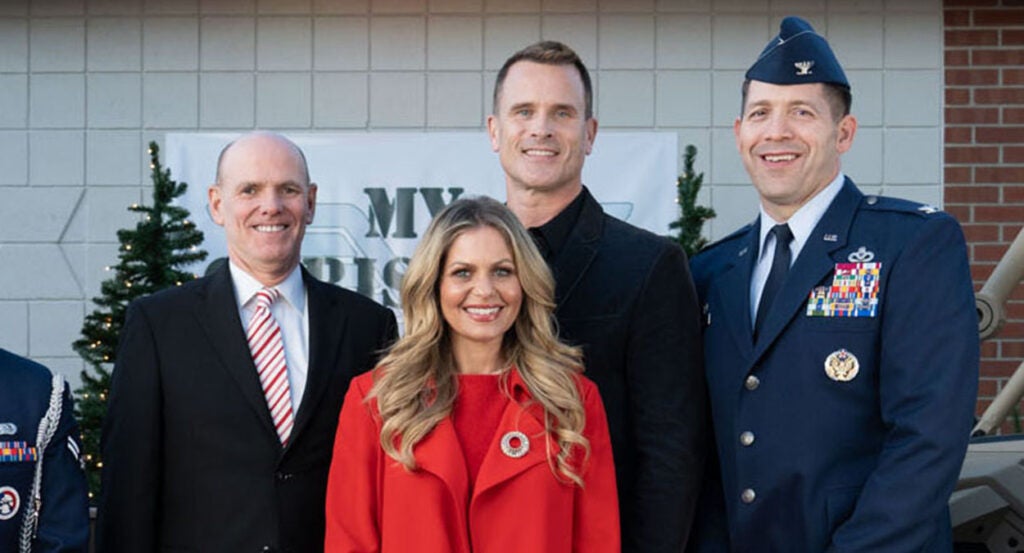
853, 293
17, 452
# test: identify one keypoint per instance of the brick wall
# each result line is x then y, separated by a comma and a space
984, 155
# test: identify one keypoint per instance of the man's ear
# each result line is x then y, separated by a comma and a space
311, 203
493, 131
591, 133
213, 196
845, 131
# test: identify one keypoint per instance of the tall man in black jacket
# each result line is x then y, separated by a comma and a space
623, 294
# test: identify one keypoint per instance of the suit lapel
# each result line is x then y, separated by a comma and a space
327, 321
218, 315
523, 415
813, 264
579, 251
440, 454
733, 290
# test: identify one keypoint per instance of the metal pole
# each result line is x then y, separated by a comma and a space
991, 299
1002, 405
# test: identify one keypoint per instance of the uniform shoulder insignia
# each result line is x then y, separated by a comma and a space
885, 203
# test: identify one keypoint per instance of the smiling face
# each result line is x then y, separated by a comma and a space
264, 202
540, 129
790, 142
480, 293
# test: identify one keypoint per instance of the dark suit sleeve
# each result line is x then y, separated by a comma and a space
131, 443
668, 406
64, 515
388, 335
928, 383
710, 533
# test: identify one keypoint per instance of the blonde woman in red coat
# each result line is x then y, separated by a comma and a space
477, 432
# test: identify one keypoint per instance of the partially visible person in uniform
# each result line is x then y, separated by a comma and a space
841, 338
226, 390
44, 499
623, 294
476, 432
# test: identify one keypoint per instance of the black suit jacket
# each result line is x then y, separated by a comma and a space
627, 297
191, 458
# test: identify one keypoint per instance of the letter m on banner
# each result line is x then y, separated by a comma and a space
400, 210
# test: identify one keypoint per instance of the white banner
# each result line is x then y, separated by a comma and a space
378, 191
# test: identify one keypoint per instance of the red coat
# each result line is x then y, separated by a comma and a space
374, 505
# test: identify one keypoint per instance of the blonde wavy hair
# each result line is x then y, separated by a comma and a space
415, 384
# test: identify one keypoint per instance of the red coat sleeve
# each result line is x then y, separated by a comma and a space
596, 520
353, 500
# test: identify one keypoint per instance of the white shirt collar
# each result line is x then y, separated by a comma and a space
246, 286
802, 223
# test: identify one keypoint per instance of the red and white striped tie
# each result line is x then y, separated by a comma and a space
264, 336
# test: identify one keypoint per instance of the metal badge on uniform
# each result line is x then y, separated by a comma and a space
17, 452
8, 429
928, 209
803, 67
853, 293
515, 444
10, 501
841, 366
862, 255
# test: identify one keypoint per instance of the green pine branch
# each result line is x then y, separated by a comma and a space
692, 217
150, 258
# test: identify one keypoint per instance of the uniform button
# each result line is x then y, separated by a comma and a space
748, 496
747, 438
752, 382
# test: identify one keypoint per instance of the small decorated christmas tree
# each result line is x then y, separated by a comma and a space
691, 216
150, 258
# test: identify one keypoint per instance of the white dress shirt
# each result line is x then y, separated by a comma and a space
801, 224
291, 315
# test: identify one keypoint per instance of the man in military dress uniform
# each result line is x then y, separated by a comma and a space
43, 494
840, 336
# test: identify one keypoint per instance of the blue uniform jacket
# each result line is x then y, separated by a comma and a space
64, 516
819, 452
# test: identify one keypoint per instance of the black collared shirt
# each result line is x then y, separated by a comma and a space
552, 235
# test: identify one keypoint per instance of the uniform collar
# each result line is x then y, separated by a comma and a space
802, 223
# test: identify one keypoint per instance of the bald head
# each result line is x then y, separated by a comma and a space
262, 139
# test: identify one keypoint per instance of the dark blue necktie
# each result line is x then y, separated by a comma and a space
780, 266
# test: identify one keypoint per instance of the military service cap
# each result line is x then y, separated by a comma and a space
797, 55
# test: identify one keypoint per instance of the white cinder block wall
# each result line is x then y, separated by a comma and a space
85, 84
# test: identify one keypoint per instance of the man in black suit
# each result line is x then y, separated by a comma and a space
623, 294
194, 459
